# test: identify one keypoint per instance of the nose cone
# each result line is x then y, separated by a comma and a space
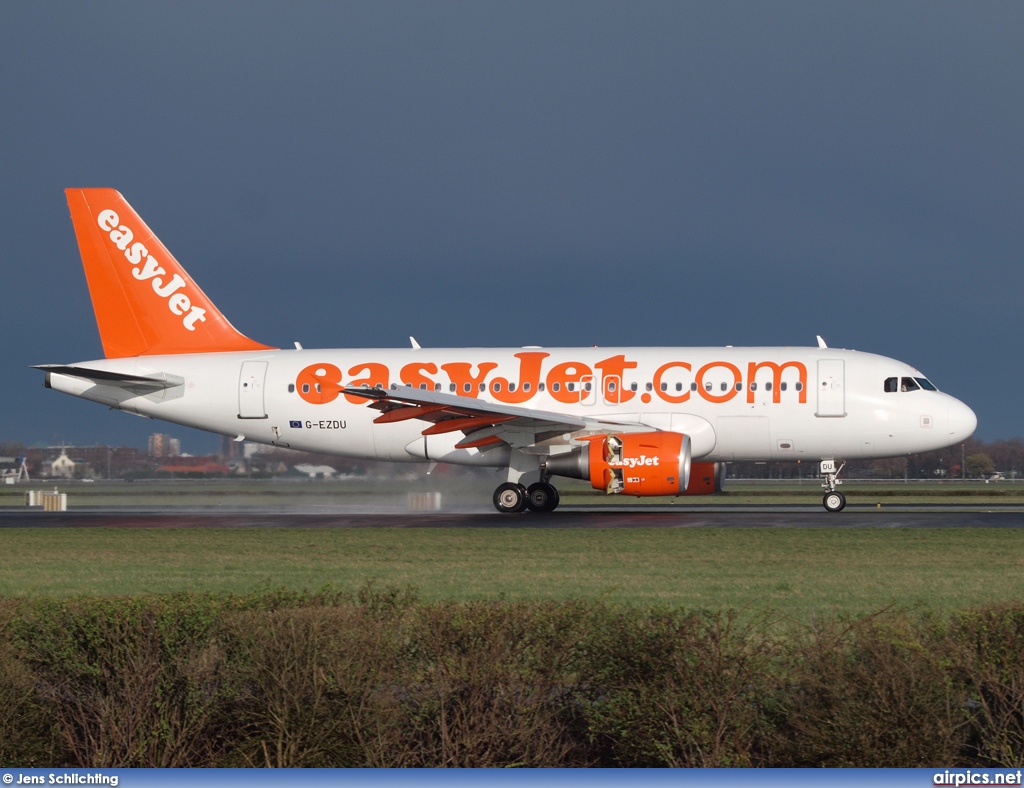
962, 422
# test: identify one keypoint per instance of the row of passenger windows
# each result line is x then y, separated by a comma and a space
588, 386
908, 384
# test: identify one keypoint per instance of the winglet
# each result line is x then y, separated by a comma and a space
821, 342
145, 302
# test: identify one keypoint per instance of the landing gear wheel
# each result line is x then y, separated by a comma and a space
510, 498
834, 501
541, 497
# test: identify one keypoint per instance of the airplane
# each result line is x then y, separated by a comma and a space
637, 421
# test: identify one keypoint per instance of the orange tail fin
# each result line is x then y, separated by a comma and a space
144, 301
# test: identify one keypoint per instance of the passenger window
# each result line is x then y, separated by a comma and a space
570, 386
753, 385
707, 387
496, 386
908, 384
587, 386
556, 386
611, 385
526, 387
540, 387
664, 386
799, 386
782, 386
679, 386
423, 386
467, 387
892, 385
632, 386
451, 387
305, 388
648, 386
693, 387
483, 387
511, 386
739, 387
725, 387
437, 387
291, 388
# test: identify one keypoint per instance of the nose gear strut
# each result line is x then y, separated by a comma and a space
833, 501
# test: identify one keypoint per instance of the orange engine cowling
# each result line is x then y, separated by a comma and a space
706, 478
634, 463
639, 463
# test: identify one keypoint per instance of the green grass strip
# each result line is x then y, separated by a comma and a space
799, 573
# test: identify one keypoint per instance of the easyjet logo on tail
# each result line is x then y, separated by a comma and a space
147, 269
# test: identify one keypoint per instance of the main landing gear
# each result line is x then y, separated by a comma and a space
512, 498
833, 501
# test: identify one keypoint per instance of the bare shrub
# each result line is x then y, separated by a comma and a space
129, 683
483, 685
871, 693
307, 684
25, 732
677, 689
986, 651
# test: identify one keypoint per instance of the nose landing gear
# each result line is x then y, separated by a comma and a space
833, 501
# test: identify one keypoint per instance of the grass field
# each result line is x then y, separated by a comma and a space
799, 573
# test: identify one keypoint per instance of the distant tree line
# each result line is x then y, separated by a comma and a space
974, 459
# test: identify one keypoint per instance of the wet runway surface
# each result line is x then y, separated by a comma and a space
810, 516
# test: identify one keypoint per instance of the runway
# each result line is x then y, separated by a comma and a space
735, 516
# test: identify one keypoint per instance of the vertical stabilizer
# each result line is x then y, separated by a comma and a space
145, 302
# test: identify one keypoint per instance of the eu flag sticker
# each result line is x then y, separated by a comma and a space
296, 425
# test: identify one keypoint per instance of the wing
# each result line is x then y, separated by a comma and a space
484, 424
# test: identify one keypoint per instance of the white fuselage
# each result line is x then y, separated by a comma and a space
805, 403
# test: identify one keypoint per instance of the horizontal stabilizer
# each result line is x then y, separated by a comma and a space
159, 380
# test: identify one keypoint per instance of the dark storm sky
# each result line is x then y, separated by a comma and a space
347, 174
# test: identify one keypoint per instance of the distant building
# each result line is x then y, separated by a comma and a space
228, 447
161, 445
64, 467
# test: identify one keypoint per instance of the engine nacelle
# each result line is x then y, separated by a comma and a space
640, 463
706, 478
634, 463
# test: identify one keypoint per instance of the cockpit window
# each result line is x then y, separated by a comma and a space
892, 384
908, 384
926, 384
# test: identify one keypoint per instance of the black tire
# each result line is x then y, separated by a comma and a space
510, 498
834, 502
541, 497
